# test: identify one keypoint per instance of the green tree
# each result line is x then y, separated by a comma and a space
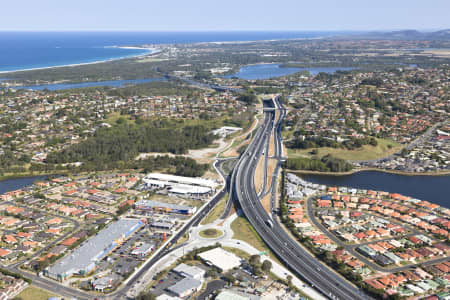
266, 266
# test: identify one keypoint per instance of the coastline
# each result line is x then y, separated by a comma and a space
151, 51
354, 171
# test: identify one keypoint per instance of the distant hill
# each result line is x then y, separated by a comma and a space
405, 35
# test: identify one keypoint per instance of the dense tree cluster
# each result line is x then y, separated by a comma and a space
248, 98
8, 159
123, 142
324, 164
372, 81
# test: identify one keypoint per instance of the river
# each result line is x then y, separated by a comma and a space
66, 86
435, 189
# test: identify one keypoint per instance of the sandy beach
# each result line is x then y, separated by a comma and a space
150, 52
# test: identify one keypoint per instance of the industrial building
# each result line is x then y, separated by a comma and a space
190, 271
220, 259
85, 259
156, 206
185, 287
180, 186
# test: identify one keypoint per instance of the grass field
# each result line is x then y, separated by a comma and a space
244, 231
366, 152
238, 252
113, 117
34, 293
210, 233
216, 212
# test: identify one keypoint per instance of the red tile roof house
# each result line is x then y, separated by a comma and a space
92, 191
4, 252
375, 284
9, 239
425, 252
359, 235
70, 241
323, 203
415, 240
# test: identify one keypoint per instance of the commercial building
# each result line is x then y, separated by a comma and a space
221, 259
143, 250
85, 259
150, 205
162, 225
167, 297
168, 179
180, 186
228, 295
190, 271
185, 287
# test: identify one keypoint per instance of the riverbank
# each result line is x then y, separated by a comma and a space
31, 174
354, 171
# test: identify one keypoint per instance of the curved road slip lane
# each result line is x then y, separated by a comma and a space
287, 249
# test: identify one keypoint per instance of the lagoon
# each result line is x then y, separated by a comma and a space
435, 189
18, 183
66, 86
266, 71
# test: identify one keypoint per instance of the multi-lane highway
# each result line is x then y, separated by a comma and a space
287, 249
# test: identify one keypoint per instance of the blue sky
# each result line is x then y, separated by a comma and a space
210, 15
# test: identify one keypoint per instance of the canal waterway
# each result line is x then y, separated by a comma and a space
18, 183
435, 189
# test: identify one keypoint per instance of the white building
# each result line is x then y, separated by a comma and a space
221, 259
190, 271
185, 287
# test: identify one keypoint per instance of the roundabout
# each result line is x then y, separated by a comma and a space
211, 233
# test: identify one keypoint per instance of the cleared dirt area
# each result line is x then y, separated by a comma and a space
266, 202
208, 153
212, 175
271, 165
271, 146
153, 154
259, 175
232, 152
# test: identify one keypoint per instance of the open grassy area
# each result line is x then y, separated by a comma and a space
238, 252
366, 152
34, 293
210, 233
244, 231
113, 117
216, 212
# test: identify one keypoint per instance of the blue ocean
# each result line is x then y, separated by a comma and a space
30, 50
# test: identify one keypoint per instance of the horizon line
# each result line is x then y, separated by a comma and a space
223, 30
